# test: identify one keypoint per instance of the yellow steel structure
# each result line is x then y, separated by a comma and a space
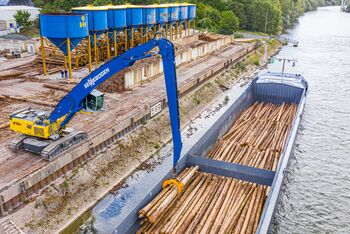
96, 50
89, 53
115, 42
126, 38
108, 46
43, 54
69, 59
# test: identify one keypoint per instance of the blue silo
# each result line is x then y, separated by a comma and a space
183, 14
57, 27
98, 22
116, 17
133, 15
149, 15
162, 14
173, 12
192, 11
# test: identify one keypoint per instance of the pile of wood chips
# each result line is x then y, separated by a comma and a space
208, 204
257, 137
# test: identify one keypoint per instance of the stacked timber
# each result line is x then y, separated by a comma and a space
208, 36
54, 56
257, 138
208, 204
80, 56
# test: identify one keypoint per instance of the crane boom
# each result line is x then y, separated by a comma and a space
70, 104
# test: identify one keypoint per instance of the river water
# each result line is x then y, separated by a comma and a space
316, 194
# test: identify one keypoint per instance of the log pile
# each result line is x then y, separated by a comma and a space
54, 56
208, 36
80, 56
209, 204
257, 137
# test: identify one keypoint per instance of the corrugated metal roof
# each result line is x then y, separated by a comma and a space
16, 3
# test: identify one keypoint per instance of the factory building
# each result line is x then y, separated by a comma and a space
7, 11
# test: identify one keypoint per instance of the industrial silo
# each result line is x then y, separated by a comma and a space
134, 21
98, 25
65, 30
173, 18
162, 18
149, 16
191, 17
117, 26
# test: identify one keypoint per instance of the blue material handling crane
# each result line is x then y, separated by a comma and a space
45, 134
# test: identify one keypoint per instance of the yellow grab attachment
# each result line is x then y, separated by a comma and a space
178, 184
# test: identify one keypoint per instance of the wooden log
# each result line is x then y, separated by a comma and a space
169, 226
172, 195
4, 125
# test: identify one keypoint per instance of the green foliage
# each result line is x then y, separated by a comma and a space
22, 20
229, 23
265, 16
208, 17
270, 16
238, 35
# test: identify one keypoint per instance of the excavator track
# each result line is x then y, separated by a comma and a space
62, 144
16, 144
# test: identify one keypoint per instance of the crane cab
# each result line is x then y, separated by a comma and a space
94, 101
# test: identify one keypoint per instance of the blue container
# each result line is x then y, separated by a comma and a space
162, 14
183, 15
97, 18
57, 27
192, 11
133, 15
149, 15
173, 12
116, 17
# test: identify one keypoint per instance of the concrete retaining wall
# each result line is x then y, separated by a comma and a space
135, 77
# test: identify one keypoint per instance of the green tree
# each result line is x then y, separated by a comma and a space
265, 16
22, 18
229, 23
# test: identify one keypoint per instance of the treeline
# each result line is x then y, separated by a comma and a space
222, 16
268, 16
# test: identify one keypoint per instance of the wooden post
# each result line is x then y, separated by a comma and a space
146, 33
43, 54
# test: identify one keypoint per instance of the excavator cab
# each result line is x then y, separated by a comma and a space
94, 101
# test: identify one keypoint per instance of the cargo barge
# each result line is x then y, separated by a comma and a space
260, 117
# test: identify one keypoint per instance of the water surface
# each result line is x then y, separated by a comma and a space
316, 194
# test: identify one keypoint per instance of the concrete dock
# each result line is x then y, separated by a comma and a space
22, 174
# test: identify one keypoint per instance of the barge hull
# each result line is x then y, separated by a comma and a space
270, 88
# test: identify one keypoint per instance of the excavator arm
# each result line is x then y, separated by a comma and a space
70, 104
